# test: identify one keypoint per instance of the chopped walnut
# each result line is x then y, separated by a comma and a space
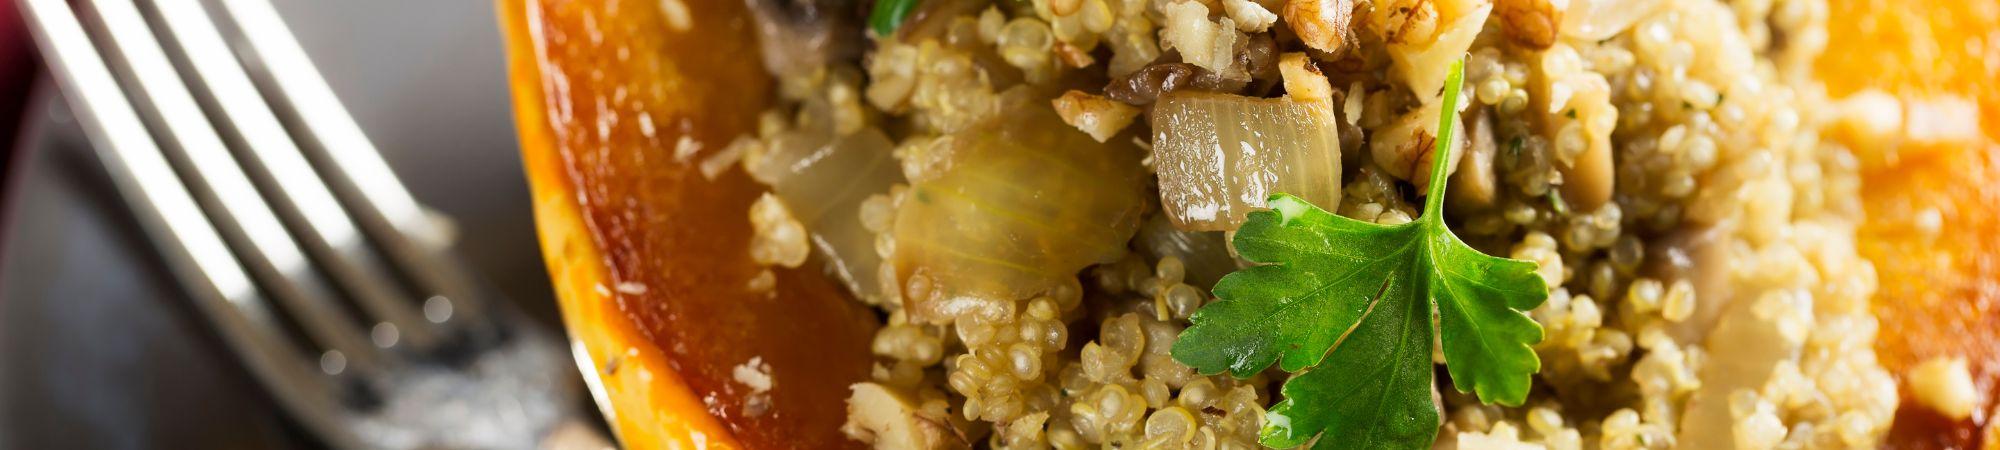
1096, 115
1324, 25
1403, 21
1250, 16
1303, 80
1529, 23
878, 415
1205, 43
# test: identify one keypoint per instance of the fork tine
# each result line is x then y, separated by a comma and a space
302, 196
244, 219
193, 249
361, 177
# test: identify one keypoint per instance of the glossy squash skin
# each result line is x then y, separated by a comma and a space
650, 258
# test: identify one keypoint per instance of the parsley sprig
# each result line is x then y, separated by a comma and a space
1350, 308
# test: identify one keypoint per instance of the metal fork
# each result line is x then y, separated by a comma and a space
294, 239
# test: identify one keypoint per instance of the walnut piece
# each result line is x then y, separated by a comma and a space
1096, 115
1303, 80
1324, 25
878, 415
1529, 23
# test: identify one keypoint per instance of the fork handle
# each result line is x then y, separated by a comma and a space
576, 433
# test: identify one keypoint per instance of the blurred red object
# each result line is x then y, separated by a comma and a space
17, 71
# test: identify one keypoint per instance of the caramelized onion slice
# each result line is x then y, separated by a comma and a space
1219, 156
824, 180
1027, 203
1596, 20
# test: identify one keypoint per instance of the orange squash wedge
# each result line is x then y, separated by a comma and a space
649, 257
1933, 227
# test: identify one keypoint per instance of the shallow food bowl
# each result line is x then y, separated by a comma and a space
619, 102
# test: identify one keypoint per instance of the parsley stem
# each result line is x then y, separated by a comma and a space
1441, 158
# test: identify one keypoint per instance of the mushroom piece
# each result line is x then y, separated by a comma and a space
797, 35
1146, 85
1474, 185
1577, 117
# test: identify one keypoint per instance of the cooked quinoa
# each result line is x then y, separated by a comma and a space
1660, 160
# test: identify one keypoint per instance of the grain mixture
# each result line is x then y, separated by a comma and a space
1660, 160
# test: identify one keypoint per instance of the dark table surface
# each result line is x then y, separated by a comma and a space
98, 349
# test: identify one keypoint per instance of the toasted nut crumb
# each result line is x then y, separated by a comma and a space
1324, 25
1074, 56
1530, 23
1303, 80
1096, 115
888, 419
1250, 17
1945, 385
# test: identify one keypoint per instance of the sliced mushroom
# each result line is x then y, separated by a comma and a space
1576, 115
798, 35
1142, 87
1255, 56
1474, 186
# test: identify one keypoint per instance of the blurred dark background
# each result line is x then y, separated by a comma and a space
97, 346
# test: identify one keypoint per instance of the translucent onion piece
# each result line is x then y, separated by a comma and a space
824, 182
1219, 156
1596, 20
791, 152
1204, 254
1027, 203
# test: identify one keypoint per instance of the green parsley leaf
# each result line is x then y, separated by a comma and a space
1351, 308
889, 14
